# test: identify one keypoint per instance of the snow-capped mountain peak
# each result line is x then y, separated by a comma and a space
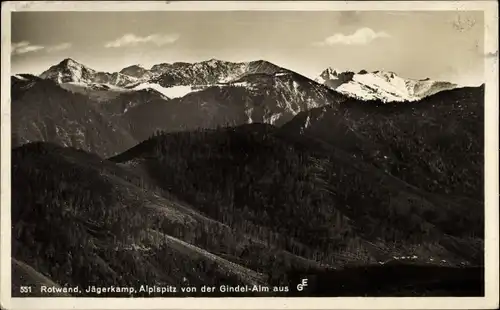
213, 61
70, 62
69, 70
386, 86
385, 74
331, 74
72, 72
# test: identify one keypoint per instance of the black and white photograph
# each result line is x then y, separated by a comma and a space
252, 153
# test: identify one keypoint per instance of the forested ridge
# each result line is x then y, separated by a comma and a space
436, 144
316, 200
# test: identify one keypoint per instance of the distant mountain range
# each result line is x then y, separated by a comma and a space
180, 78
177, 96
182, 96
173, 80
381, 85
247, 174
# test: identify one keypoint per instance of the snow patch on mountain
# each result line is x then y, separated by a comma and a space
271, 119
295, 86
23, 81
308, 122
170, 92
245, 84
231, 76
248, 113
17, 76
95, 91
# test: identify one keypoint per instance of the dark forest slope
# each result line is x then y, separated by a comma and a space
318, 201
79, 220
43, 111
436, 144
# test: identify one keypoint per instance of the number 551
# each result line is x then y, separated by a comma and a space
25, 289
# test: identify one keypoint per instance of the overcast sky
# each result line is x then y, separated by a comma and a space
443, 45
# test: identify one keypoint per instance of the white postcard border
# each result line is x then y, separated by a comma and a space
490, 300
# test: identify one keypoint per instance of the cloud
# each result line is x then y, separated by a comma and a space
360, 37
59, 47
133, 40
24, 47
